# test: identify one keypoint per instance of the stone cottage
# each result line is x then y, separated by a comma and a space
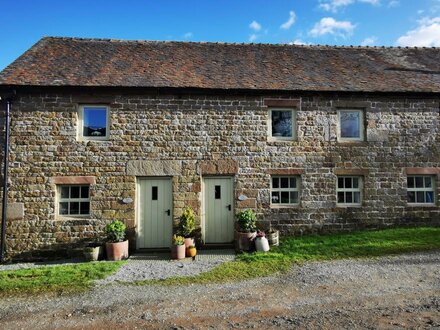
313, 138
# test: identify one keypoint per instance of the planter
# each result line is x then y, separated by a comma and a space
245, 241
189, 241
178, 251
117, 251
262, 244
92, 253
191, 252
273, 238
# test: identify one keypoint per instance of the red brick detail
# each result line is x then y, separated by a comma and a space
92, 99
422, 170
351, 171
217, 167
285, 171
73, 180
286, 103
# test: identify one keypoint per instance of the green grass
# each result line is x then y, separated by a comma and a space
68, 278
313, 248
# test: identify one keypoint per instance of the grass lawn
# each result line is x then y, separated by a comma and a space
68, 278
292, 250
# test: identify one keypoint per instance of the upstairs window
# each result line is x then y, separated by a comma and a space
351, 125
282, 124
285, 190
93, 122
349, 190
420, 189
73, 200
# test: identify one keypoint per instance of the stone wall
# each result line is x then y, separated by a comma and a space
189, 135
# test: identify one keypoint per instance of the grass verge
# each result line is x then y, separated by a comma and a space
67, 278
314, 248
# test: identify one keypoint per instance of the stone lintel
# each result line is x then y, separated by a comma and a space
285, 171
154, 167
93, 99
422, 170
351, 171
282, 103
218, 167
352, 104
73, 180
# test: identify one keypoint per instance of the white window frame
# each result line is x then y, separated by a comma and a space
361, 126
279, 189
282, 138
69, 200
352, 190
81, 122
424, 189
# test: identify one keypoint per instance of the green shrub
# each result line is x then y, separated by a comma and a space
115, 231
178, 240
187, 223
247, 221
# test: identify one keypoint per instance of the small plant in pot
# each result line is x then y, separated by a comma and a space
187, 226
273, 236
178, 248
93, 252
116, 246
247, 230
261, 242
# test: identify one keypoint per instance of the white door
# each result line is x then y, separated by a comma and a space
218, 210
155, 205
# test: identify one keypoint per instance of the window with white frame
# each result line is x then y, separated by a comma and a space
285, 190
282, 124
420, 189
73, 200
349, 190
94, 122
351, 125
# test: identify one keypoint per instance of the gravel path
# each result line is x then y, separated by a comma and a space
391, 292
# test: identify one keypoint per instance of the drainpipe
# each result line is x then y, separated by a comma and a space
5, 182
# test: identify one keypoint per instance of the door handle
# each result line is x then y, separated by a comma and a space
229, 207
168, 212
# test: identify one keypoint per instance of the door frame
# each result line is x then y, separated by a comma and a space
138, 205
203, 204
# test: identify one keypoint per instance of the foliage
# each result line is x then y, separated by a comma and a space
187, 223
178, 240
68, 278
247, 221
115, 231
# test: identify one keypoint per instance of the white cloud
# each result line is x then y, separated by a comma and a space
328, 25
286, 25
371, 2
426, 34
370, 41
188, 35
253, 37
393, 3
300, 42
334, 5
255, 26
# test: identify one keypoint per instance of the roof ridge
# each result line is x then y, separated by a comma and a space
320, 46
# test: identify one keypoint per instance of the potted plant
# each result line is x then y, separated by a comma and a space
93, 252
191, 251
178, 248
261, 242
273, 236
247, 230
116, 246
187, 226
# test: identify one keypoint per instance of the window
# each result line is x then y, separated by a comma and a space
93, 122
282, 124
420, 189
285, 190
351, 125
349, 190
73, 200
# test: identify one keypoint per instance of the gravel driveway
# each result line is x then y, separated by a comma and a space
391, 292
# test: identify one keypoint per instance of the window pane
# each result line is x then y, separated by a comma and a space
341, 197
85, 192
347, 182
410, 182
284, 182
350, 124
428, 182
292, 182
420, 197
154, 193
218, 192
275, 197
419, 182
293, 197
429, 197
84, 207
282, 123
74, 192
64, 192
285, 197
348, 197
64, 208
340, 182
74, 208
357, 197
95, 121
275, 182
411, 197
355, 182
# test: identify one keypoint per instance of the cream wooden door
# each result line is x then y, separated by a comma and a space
155, 207
218, 210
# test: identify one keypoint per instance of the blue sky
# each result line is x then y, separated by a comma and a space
331, 22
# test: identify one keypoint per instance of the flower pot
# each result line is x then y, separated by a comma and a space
273, 238
191, 252
178, 251
189, 241
117, 251
92, 253
245, 241
262, 244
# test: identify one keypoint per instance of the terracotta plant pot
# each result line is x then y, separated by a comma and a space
117, 251
245, 241
273, 238
191, 252
189, 241
178, 251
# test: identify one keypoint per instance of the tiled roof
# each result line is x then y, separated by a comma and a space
102, 62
